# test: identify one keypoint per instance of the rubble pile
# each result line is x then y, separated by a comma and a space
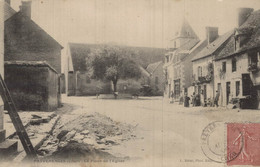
86, 135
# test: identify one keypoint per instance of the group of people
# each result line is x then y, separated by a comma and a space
195, 100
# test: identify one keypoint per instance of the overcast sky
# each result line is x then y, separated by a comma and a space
131, 22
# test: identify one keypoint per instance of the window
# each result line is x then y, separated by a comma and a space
237, 88
254, 57
224, 66
174, 44
237, 43
199, 71
234, 65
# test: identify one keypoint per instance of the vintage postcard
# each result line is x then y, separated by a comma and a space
114, 83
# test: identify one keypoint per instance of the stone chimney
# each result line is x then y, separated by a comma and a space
25, 8
8, 1
243, 14
211, 34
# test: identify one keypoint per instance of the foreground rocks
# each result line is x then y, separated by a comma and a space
86, 135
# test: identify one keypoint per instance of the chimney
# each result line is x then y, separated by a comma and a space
8, 1
211, 34
243, 14
25, 8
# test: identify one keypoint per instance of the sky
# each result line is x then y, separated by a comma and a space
149, 23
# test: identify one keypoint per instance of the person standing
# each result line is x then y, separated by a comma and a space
172, 96
193, 99
216, 98
186, 100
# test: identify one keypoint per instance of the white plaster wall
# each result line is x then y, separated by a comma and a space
203, 63
229, 76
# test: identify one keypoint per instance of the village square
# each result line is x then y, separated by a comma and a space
191, 102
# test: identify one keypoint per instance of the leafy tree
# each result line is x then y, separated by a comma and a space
114, 63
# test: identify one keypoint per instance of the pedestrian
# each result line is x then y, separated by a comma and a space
193, 96
216, 99
181, 99
186, 100
172, 96
197, 100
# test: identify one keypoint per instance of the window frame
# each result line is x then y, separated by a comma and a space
234, 65
224, 66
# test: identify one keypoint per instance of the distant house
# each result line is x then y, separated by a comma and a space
237, 65
78, 81
156, 79
25, 41
203, 63
33, 85
177, 66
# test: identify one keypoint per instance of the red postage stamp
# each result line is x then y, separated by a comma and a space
243, 143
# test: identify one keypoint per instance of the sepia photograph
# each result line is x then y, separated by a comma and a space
123, 83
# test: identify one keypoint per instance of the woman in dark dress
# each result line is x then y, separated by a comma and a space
186, 100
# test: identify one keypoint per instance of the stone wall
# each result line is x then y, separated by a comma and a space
32, 88
223, 77
53, 90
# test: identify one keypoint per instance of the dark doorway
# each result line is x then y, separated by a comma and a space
177, 88
169, 94
227, 91
205, 93
246, 84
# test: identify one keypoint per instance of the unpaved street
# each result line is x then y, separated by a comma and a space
145, 131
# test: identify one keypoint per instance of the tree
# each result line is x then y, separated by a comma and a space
114, 63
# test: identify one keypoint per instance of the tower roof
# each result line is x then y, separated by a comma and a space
186, 31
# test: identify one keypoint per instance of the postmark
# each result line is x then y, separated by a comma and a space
214, 143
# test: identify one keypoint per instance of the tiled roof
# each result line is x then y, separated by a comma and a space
186, 31
30, 63
144, 72
8, 11
185, 48
152, 67
213, 46
144, 55
227, 49
19, 16
251, 28
252, 24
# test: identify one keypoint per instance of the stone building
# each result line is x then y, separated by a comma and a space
237, 65
203, 64
177, 67
26, 41
80, 83
156, 78
34, 85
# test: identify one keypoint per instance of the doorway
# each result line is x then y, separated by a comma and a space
227, 91
205, 93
